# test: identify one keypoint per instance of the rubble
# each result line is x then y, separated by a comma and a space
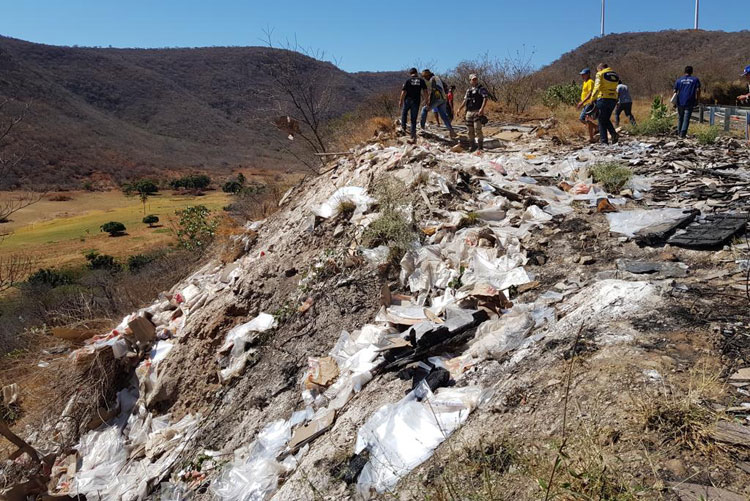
482, 291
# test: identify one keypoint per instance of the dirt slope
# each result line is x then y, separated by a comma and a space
617, 375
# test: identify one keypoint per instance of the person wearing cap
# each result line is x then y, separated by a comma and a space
746, 97
436, 101
412, 92
475, 101
586, 104
605, 97
624, 104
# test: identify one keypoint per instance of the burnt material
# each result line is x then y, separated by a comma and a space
659, 233
711, 232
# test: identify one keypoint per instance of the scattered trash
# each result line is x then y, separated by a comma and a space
401, 436
321, 372
10, 394
651, 226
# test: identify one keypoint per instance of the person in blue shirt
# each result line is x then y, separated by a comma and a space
688, 90
744, 98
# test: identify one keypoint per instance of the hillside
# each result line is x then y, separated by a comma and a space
649, 62
125, 112
423, 323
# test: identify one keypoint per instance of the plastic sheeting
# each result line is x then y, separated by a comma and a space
238, 337
108, 472
348, 194
505, 333
631, 222
401, 436
256, 476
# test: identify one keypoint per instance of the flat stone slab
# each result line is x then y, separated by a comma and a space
656, 268
710, 232
696, 492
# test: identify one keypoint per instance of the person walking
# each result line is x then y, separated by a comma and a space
412, 92
475, 101
605, 96
688, 91
744, 98
436, 101
586, 104
624, 104
449, 98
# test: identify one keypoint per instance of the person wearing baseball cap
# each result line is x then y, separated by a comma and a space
746, 97
587, 113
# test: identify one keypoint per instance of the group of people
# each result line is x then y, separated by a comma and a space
429, 89
600, 97
606, 94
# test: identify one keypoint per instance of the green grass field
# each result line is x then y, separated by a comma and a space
60, 233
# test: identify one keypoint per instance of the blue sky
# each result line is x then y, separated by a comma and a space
379, 35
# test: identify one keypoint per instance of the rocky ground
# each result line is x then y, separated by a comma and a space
571, 356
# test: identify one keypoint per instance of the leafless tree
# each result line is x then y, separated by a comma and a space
305, 107
20, 199
14, 269
508, 79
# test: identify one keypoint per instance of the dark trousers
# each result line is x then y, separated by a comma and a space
683, 119
606, 107
411, 106
628, 109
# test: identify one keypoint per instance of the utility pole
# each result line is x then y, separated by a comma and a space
603, 17
697, 8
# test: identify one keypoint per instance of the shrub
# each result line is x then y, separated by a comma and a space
140, 187
232, 186
707, 135
114, 228
195, 228
611, 175
151, 220
658, 122
391, 228
563, 94
102, 262
191, 182
49, 278
138, 261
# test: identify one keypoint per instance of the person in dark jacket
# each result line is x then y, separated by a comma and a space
412, 93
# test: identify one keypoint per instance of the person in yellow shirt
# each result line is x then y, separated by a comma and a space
605, 96
588, 113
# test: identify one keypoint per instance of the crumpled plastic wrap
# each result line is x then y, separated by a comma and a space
256, 476
238, 337
505, 333
348, 194
629, 223
403, 435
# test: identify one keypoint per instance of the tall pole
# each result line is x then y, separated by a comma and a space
697, 8
603, 17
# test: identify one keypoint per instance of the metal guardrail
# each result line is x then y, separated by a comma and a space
728, 115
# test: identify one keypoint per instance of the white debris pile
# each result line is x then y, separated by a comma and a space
401, 436
126, 459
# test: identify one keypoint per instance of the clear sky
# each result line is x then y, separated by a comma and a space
362, 35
